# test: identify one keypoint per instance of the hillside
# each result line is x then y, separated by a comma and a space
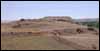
88, 22
50, 33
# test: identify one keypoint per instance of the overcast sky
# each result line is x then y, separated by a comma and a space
12, 10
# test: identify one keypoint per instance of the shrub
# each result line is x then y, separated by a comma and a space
91, 29
22, 19
79, 30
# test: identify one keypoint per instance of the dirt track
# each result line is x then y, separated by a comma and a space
80, 42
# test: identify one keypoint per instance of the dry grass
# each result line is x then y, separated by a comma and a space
31, 43
86, 40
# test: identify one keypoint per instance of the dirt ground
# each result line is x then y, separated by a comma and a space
83, 41
48, 36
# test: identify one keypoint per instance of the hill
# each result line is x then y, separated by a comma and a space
52, 33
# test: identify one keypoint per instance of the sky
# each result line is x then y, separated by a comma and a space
13, 10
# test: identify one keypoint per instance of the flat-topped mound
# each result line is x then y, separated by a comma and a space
36, 25
58, 18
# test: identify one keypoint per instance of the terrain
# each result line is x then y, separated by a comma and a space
90, 22
48, 33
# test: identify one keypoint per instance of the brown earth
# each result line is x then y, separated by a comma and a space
48, 34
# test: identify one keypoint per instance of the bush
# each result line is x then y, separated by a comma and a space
91, 29
79, 30
22, 19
